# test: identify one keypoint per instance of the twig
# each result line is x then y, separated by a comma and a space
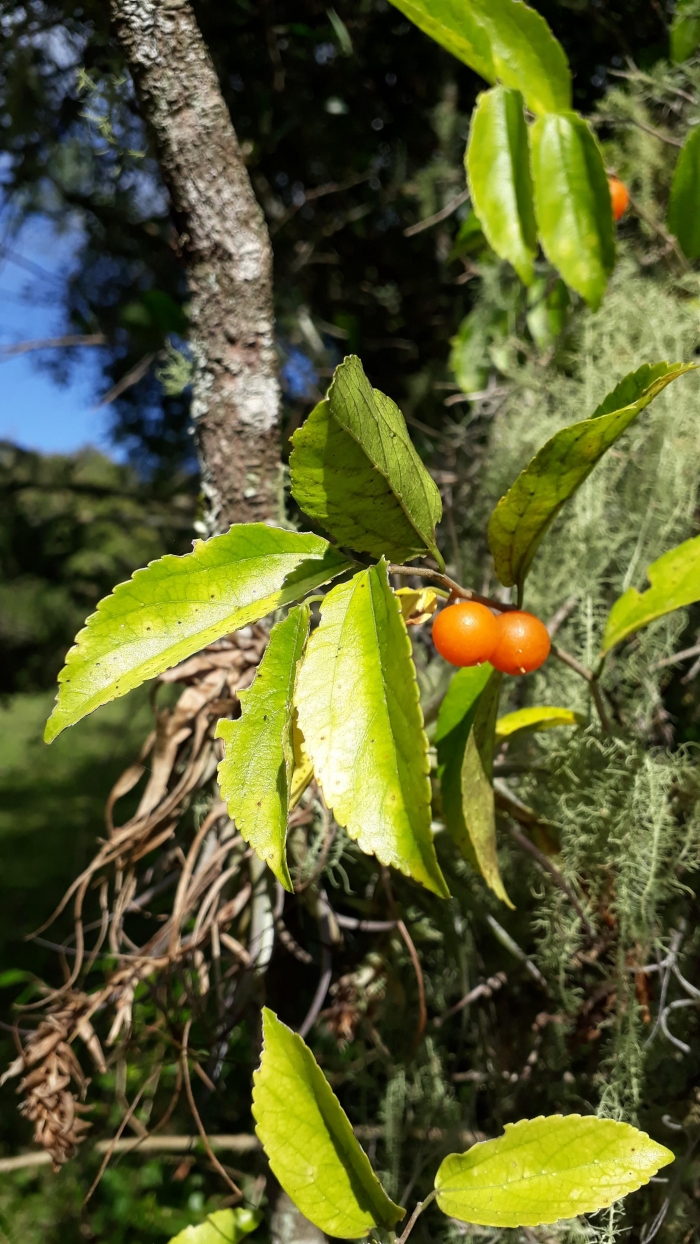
112, 1144
526, 844
668, 238
130, 378
465, 593
443, 214
53, 343
414, 1216
195, 1114
567, 659
422, 1010
324, 919
485, 990
506, 940
562, 614
608, 119
677, 657
364, 926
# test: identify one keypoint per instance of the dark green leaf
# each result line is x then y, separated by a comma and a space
379, 428
572, 203
498, 170
177, 605
336, 484
504, 41
359, 713
454, 724
685, 31
684, 204
524, 514
256, 771
309, 1142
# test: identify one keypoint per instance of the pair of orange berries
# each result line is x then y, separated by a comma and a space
468, 634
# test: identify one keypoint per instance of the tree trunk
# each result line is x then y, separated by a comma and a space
228, 258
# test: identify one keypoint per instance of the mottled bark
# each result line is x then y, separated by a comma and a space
228, 256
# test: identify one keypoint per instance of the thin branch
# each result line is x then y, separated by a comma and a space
677, 657
112, 1145
567, 659
195, 1114
324, 919
131, 378
485, 990
465, 593
414, 1216
443, 214
668, 238
53, 343
422, 1009
527, 845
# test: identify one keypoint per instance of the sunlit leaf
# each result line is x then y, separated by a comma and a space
224, 1226
256, 771
572, 203
354, 470
684, 203
547, 311
498, 170
417, 604
675, 582
357, 700
543, 717
309, 1141
504, 41
303, 770
524, 514
177, 605
545, 1169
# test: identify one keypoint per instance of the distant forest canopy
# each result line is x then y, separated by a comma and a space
353, 125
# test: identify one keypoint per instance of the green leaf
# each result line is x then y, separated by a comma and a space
684, 203
256, 772
544, 717
685, 31
337, 485
498, 171
547, 311
454, 724
524, 514
545, 1169
572, 203
359, 713
503, 40
225, 1226
675, 582
355, 470
478, 805
309, 1142
177, 605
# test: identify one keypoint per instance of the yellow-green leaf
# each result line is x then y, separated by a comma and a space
309, 1141
543, 717
454, 724
303, 770
685, 31
504, 41
177, 605
545, 1169
359, 713
256, 772
684, 202
675, 582
498, 171
572, 203
224, 1226
524, 514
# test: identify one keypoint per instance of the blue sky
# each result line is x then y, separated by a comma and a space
35, 412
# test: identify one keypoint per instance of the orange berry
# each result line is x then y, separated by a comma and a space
465, 634
619, 196
522, 643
